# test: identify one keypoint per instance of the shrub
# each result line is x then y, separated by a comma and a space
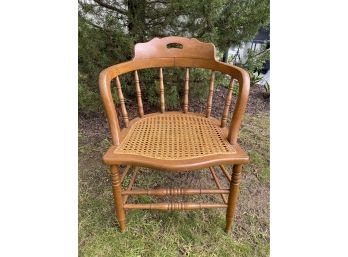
89, 101
254, 64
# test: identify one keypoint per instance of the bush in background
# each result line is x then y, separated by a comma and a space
109, 29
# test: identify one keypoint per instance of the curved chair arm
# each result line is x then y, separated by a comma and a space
243, 95
237, 73
110, 110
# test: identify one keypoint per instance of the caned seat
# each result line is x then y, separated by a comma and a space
174, 137
174, 141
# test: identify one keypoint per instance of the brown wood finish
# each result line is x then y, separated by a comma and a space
233, 197
175, 191
158, 48
162, 101
125, 172
227, 103
224, 170
116, 189
186, 90
211, 93
131, 182
217, 182
174, 206
159, 53
138, 92
122, 102
173, 165
234, 71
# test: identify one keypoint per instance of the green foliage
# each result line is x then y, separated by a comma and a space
152, 94
235, 88
255, 78
256, 59
98, 49
109, 29
172, 97
89, 101
150, 87
174, 84
199, 83
240, 20
222, 79
254, 63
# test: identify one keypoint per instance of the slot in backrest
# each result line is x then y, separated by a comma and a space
176, 47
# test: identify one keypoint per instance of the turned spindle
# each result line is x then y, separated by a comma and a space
233, 197
162, 103
227, 103
186, 90
210, 96
138, 93
122, 102
116, 189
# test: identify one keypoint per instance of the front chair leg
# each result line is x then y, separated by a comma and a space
116, 189
233, 196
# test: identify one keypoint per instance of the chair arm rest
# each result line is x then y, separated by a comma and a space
109, 107
244, 86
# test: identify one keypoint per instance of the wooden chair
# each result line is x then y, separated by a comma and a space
174, 141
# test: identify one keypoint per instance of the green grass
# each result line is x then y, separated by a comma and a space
254, 138
189, 233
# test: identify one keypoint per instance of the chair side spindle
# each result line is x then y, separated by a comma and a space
186, 90
210, 96
227, 103
162, 102
122, 102
138, 93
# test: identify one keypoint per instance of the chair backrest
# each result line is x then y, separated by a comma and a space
175, 47
174, 52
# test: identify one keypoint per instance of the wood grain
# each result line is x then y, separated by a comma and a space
175, 191
239, 74
225, 171
158, 53
131, 183
138, 93
227, 103
158, 48
116, 189
122, 102
217, 182
233, 197
175, 206
210, 95
186, 90
162, 101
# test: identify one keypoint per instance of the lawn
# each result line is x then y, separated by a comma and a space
188, 233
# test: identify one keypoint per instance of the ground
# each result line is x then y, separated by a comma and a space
177, 233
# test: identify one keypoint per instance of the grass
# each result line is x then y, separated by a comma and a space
254, 137
188, 233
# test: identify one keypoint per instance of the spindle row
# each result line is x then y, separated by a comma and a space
227, 103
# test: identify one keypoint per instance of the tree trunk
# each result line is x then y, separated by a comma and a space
225, 57
136, 19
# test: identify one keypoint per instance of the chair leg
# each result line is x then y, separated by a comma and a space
116, 189
233, 196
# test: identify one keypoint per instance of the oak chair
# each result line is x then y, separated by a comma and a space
174, 141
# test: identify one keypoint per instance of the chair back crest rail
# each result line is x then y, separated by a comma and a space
174, 52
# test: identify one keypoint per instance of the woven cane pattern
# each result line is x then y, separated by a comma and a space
174, 137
